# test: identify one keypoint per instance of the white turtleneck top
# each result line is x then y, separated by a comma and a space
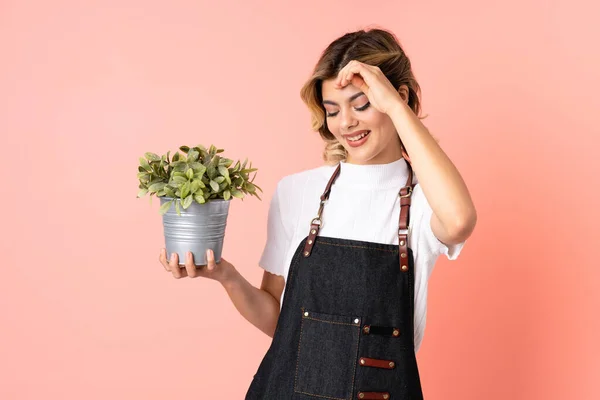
373, 191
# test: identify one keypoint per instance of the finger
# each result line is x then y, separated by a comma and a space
342, 75
190, 267
174, 265
210, 260
163, 259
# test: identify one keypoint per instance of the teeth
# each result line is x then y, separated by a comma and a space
355, 138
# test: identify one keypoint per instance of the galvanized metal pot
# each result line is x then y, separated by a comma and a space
197, 229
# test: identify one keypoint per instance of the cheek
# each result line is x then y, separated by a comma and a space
333, 127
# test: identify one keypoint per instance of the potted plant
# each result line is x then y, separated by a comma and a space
195, 189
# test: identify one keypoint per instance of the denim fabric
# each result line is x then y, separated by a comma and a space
329, 297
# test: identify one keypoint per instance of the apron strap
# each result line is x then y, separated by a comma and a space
315, 224
403, 223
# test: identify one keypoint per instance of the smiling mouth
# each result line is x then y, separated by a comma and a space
358, 137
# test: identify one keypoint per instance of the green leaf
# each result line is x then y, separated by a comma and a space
195, 185
175, 157
226, 195
199, 198
185, 190
214, 185
198, 167
223, 171
185, 149
179, 179
144, 164
190, 173
165, 207
157, 186
169, 192
212, 172
250, 187
187, 202
219, 179
152, 156
142, 192
143, 175
193, 156
237, 193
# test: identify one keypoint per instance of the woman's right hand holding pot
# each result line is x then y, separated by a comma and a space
221, 272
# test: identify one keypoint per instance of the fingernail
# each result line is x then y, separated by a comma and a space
173, 256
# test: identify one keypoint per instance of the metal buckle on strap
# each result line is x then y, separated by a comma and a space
408, 230
408, 194
319, 222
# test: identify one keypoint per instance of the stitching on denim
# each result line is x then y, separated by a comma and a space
298, 358
329, 322
298, 355
298, 362
357, 247
355, 360
323, 397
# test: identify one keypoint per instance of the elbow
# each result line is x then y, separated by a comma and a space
463, 227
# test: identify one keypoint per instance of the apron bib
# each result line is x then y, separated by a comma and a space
345, 330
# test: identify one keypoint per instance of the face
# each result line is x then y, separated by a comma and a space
349, 116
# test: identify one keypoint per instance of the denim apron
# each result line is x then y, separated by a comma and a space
345, 330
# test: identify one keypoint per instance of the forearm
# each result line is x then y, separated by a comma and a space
257, 306
440, 180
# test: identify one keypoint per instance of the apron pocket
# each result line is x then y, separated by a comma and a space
327, 355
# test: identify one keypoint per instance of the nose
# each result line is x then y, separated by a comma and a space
347, 121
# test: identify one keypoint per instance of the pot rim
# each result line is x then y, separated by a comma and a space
208, 201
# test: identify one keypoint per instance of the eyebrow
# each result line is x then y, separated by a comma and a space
353, 97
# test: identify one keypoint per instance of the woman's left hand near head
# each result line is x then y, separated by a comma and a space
373, 83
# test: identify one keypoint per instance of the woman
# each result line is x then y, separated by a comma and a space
355, 261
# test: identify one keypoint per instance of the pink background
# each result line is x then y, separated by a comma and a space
87, 311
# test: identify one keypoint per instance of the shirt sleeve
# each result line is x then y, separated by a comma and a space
278, 239
426, 235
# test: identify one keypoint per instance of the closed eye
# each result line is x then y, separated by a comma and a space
363, 108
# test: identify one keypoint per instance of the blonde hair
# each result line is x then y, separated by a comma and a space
376, 47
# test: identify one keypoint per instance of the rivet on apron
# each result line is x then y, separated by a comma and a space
362, 361
361, 395
392, 364
402, 243
405, 268
310, 242
356, 321
396, 332
313, 231
366, 329
386, 396
306, 313
403, 255
306, 253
